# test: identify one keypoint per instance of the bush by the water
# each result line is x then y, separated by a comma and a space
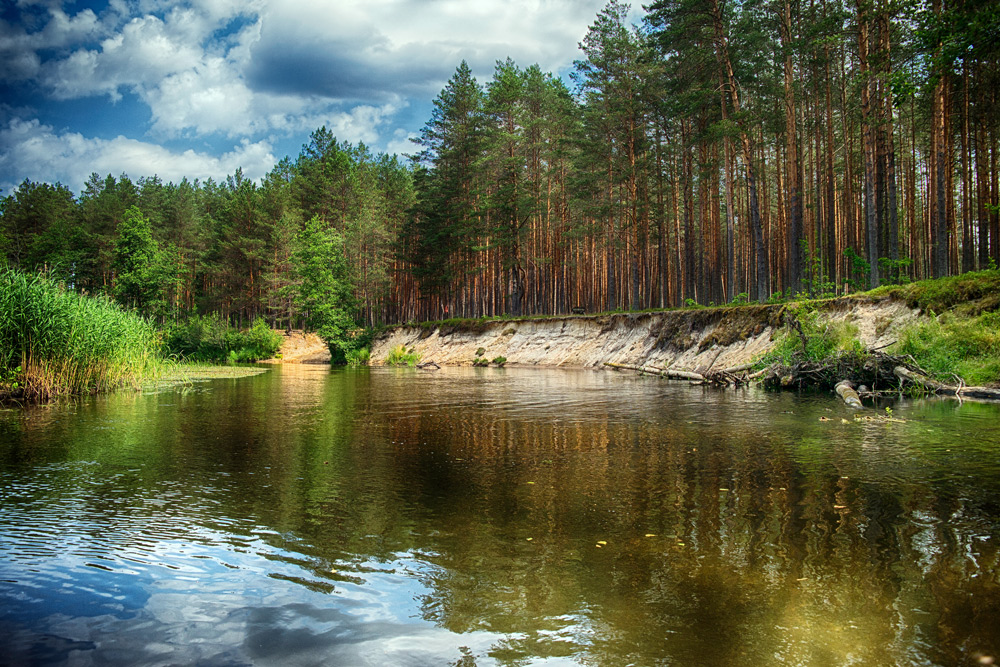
54, 341
211, 338
398, 356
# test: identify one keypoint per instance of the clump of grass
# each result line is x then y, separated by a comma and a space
499, 361
65, 343
808, 338
358, 357
210, 338
399, 356
948, 345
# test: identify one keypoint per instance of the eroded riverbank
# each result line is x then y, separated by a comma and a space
703, 339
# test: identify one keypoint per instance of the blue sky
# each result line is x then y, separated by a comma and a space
199, 88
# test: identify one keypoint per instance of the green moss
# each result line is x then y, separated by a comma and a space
968, 294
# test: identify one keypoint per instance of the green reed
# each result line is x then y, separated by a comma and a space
65, 343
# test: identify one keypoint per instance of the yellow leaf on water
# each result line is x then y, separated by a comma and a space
530, 538
601, 542
650, 534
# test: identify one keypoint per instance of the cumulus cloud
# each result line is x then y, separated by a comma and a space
29, 149
255, 72
374, 48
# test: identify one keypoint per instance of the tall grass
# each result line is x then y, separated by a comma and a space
398, 356
950, 345
65, 343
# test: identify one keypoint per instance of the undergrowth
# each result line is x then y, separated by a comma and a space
807, 337
211, 338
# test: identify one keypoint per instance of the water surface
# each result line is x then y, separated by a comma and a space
496, 517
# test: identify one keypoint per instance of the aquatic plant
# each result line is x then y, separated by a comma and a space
66, 343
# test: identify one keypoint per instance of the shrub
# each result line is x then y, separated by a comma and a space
210, 338
359, 357
499, 361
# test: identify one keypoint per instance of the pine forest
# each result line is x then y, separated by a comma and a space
717, 152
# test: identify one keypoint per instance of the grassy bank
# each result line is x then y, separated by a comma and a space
957, 340
55, 342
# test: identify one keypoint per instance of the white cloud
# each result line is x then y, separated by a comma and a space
401, 143
31, 150
249, 70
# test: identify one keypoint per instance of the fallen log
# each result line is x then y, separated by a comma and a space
429, 364
663, 372
845, 389
935, 387
733, 370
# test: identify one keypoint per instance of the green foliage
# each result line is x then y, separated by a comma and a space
816, 283
399, 356
947, 346
894, 271
359, 356
53, 341
740, 299
858, 270
807, 338
139, 265
499, 361
971, 293
210, 338
480, 362
325, 292
480, 351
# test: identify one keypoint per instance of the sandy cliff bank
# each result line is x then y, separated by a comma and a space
701, 339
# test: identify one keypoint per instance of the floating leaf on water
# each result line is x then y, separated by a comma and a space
529, 482
650, 534
530, 538
601, 543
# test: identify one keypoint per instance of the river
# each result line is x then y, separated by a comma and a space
317, 516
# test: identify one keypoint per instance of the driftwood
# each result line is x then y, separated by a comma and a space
961, 391
663, 372
429, 365
721, 378
845, 389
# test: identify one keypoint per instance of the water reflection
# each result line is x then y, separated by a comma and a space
485, 516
